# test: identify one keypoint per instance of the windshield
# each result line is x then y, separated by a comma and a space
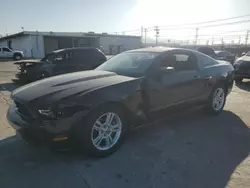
129, 64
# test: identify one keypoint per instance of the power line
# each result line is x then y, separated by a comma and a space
207, 26
198, 23
200, 36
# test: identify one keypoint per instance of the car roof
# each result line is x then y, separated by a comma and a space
72, 49
153, 49
219, 51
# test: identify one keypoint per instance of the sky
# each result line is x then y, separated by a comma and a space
117, 15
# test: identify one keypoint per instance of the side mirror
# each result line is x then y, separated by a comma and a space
167, 70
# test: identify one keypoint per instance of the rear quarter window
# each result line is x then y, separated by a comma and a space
89, 57
206, 61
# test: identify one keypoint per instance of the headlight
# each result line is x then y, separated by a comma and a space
56, 112
47, 113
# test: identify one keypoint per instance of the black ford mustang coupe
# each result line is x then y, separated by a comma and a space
97, 108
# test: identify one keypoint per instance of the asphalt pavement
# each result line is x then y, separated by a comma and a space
189, 150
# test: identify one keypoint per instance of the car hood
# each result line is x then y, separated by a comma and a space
59, 87
244, 58
224, 62
27, 62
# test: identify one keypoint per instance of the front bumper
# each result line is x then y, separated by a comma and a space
242, 75
44, 132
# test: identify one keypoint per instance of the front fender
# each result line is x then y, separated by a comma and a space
127, 93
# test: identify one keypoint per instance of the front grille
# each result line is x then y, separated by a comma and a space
22, 110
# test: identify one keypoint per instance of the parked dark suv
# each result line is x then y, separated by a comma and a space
60, 62
242, 68
224, 55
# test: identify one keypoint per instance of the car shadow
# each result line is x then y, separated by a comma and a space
244, 85
188, 150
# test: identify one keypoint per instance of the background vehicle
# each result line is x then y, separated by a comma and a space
60, 62
224, 55
208, 51
242, 68
98, 107
7, 53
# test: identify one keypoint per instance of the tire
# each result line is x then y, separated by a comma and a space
215, 105
238, 80
17, 57
89, 131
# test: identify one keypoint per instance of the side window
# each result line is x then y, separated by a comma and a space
80, 56
180, 62
93, 54
100, 55
6, 49
88, 56
205, 61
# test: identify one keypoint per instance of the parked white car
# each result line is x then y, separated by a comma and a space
6, 53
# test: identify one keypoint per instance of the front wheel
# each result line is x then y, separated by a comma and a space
17, 57
103, 131
216, 101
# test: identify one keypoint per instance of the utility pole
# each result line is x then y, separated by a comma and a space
156, 35
246, 40
196, 36
141, 35
212, 41
239, 40
222, 41
145, 36
222, 44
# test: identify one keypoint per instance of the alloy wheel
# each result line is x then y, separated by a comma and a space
106, 131
218, 99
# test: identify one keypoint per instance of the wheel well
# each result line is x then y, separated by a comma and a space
128, 113
224, 83
17, 53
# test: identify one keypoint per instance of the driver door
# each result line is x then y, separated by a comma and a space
167, 89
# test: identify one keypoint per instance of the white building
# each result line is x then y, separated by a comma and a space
36, 44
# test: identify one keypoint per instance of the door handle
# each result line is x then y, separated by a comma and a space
208, 77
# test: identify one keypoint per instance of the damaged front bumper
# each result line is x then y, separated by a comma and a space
55, 133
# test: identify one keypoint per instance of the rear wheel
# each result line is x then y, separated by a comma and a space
103, 131
216, 100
